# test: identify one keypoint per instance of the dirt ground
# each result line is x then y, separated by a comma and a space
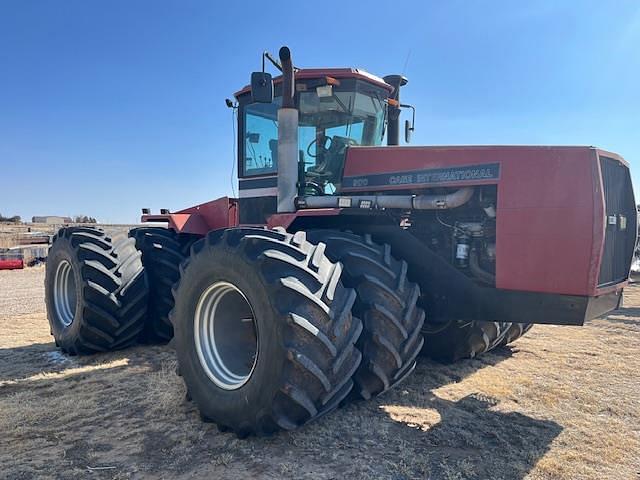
561, 403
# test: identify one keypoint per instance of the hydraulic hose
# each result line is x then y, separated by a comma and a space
477, 271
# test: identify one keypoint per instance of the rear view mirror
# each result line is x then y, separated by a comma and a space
261, 87
409, 126
408, 129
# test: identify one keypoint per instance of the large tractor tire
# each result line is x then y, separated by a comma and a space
457, 340
514, 332
163, 250
264, 334
386, 302
95, 291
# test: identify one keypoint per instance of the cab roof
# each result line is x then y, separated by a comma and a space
337, 73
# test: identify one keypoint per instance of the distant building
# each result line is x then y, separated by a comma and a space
51, 220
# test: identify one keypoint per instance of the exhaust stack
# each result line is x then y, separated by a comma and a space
287, 138
393, 118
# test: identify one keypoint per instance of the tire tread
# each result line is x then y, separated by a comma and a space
386, 303
113, 282
315, 310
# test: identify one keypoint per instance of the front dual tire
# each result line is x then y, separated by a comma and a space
264, 333
386, 302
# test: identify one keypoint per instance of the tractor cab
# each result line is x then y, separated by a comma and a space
337, 109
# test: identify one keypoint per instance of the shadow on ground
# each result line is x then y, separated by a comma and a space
127, 412
17, 363
633, 313
472, 439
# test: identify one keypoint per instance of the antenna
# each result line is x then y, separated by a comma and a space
406, 62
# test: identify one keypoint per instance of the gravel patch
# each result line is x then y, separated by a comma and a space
22, 291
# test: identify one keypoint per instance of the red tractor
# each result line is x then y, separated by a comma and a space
342, 260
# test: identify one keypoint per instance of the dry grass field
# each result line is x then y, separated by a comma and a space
561, 403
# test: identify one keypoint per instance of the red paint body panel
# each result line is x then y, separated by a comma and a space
12, 264
550, 223
200, 219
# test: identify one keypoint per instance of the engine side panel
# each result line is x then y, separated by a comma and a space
550, 221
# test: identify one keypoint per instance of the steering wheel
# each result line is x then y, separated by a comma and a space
317, 189
324, 146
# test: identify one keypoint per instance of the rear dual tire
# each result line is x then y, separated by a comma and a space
96, 291
515, 331
163, 250
457, 340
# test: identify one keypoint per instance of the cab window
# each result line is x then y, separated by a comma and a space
261, 138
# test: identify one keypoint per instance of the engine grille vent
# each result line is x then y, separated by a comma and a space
620, 222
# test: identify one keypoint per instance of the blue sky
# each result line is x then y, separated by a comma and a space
106, 107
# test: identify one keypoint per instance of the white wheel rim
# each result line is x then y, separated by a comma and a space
64, 293
225, 335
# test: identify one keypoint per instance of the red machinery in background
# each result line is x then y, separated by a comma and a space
11, 261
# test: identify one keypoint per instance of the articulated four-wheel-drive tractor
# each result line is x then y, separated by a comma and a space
343, 260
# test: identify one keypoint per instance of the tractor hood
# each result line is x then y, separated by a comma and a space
566, 215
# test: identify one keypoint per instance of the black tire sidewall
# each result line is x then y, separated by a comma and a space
212, 265
160, 264
63, 250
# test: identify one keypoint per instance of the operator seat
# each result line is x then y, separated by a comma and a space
330, 170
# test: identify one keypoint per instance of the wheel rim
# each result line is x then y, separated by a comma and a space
64, 293
225, 334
